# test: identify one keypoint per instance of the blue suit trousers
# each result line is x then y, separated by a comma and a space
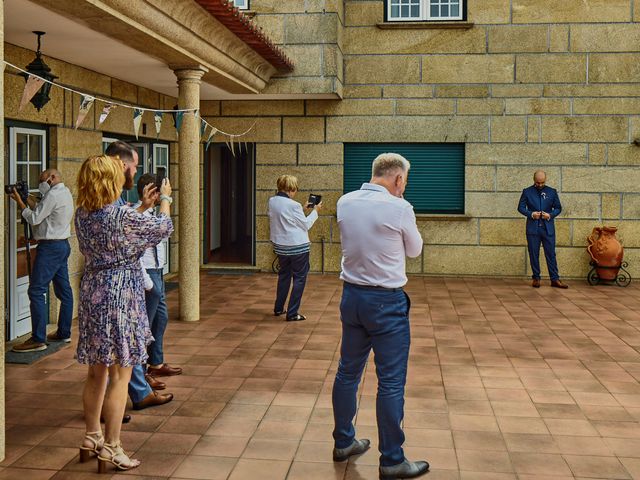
549, 245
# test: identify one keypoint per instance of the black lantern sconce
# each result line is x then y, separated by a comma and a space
41, 69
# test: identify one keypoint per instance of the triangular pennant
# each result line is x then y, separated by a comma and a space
233, 152
157, 117
30, 89
137, 120
179, 120
85, 106
213, 131
106, 110
203, 127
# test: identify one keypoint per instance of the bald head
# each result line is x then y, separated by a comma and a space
539, 179
51, 175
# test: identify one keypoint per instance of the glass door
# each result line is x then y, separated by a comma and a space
161, 160
27, 159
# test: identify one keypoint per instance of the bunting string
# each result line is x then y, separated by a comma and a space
138, 111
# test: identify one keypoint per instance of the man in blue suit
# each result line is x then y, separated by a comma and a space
541, 204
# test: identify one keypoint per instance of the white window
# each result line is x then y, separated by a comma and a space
424, 10
241, 4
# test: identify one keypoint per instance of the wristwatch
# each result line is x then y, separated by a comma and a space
167, 198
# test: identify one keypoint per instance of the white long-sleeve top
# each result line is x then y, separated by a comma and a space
378, 231
51, 217
289, 226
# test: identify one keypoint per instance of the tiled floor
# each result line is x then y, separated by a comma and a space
505, 382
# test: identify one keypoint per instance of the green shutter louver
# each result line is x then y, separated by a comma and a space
436, 178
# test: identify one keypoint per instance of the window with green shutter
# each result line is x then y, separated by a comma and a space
436, 178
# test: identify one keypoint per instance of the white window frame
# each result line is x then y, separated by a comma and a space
425, 13
241, 4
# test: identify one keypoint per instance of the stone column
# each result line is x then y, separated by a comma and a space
189, 195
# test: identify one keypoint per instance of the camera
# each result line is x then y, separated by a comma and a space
21, 187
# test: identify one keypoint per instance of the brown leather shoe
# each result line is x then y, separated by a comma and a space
535, 283
153, 400
29, 346
164, 370
154, 383
558, 284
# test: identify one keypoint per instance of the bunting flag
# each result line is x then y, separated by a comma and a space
213, 131
106, 110
85, 106
203, 127
137, 120
179, 120
157, 117
30, 89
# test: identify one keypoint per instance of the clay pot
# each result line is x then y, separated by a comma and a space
606, 251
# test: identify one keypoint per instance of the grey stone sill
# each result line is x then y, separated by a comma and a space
424, 25
443, 217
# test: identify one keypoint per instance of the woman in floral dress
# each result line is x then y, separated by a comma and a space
112, 319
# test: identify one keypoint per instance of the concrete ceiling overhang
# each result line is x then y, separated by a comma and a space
141, 41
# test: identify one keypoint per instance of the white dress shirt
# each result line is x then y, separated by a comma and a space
51, 218
289, 225
153, 257
378, 231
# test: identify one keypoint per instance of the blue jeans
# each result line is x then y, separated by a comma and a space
50, 265
139, 388
378, 319
158, 316
549, 247
294, 267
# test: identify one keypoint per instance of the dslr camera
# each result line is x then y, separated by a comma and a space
21, 187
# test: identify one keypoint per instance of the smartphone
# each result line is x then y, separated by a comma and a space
161, 174
314, 199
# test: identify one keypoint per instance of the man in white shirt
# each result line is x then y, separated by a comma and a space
378, 230
50, 220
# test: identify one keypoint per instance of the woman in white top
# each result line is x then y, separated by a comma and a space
289, 235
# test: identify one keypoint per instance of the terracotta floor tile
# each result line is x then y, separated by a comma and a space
317, 471
26, 474
591, 466
174, 443
522, 425
530, 443
209, 468
484, 461
467, 440
316, 452
52, 458
251, 469
177, 424
539, 464
572, 427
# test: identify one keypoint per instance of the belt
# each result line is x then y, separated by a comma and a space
53, 241
371, 287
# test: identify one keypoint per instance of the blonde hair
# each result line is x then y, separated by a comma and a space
100, 182
387, 163
287, 183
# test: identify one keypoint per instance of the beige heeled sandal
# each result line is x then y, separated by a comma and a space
114, 454
91, 445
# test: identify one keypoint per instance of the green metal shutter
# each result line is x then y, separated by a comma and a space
436, 178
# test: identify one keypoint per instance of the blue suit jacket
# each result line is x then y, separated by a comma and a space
545, 200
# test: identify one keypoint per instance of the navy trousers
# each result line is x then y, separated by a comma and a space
378, 319
549, 245
50, 266
296, 268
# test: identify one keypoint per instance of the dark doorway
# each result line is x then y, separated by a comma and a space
230, 205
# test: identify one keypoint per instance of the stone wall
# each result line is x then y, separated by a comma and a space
69, 147
529, 85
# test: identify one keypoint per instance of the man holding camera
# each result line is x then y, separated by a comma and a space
50, 220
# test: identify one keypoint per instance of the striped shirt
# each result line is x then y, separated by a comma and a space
291, 250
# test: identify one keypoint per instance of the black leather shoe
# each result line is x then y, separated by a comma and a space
296, 318
405, 469
126, 418
356, 448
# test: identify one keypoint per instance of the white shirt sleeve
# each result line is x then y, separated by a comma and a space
43, 210
410, 233
305, 221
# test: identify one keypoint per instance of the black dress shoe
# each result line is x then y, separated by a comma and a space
296, 318
278, 313
125, 419
356, 448
405, 469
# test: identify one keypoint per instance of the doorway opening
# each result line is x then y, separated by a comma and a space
230, 205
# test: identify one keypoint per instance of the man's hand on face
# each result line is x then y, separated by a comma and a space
150, 196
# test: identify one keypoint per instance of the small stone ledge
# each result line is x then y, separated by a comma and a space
449, 217
424, 25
